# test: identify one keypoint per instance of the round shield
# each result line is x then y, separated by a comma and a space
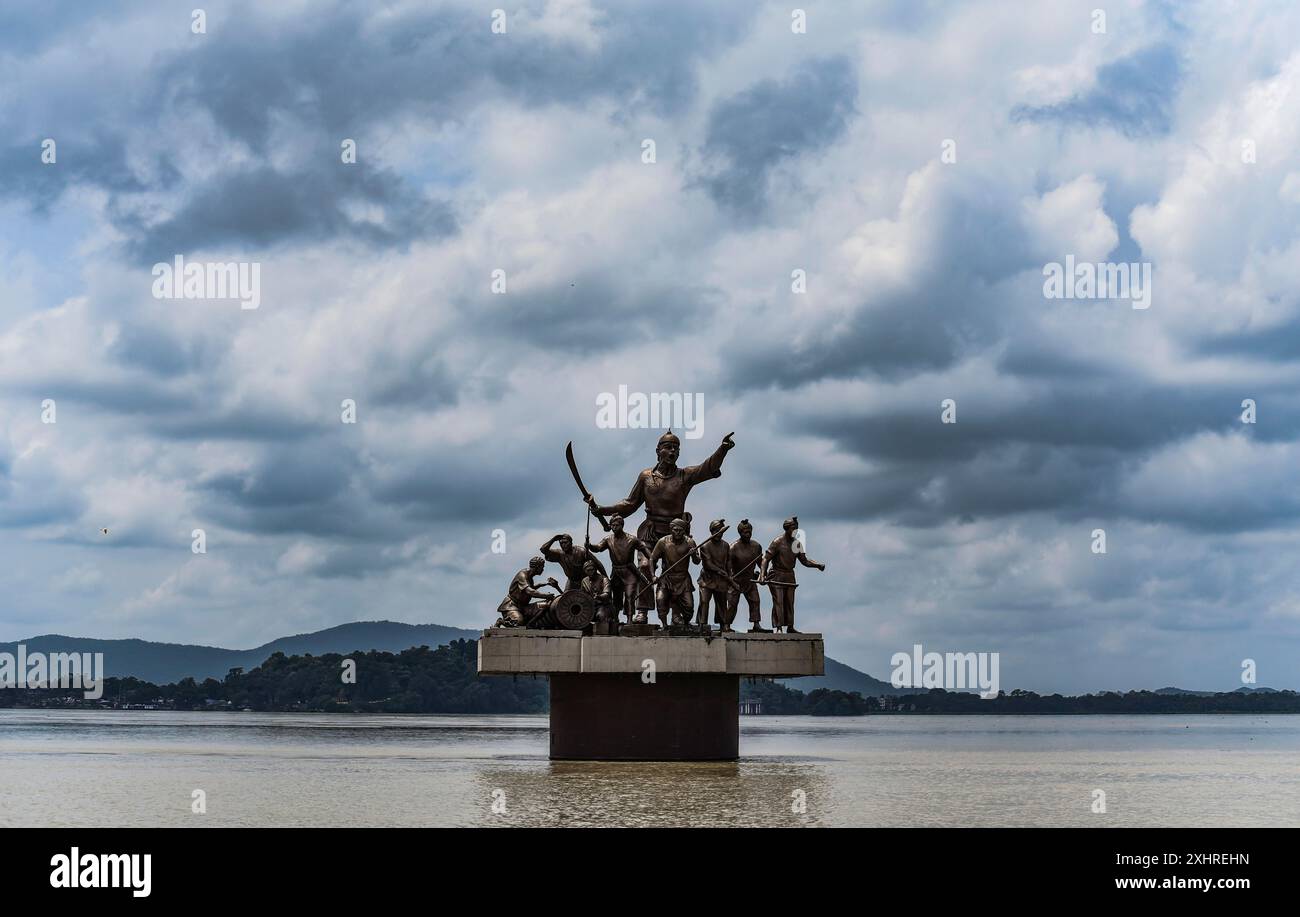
573, 610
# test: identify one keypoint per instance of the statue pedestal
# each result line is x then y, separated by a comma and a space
647, 698
620, 718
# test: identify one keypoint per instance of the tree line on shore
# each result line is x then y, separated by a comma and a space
417, 680
446, 680
937, 700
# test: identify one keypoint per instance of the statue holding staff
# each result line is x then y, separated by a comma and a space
715, 577
675, 590
744, 553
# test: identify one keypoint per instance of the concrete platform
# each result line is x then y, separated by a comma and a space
654, 698
529, 652
508, 651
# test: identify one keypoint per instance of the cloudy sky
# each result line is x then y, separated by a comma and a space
919, 162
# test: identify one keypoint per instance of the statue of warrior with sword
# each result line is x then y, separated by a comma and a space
662, 489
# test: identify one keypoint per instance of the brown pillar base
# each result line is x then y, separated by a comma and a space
617, 717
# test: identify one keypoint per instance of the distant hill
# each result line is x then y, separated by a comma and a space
1241, 690
165, 663
840, 677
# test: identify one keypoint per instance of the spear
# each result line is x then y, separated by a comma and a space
669, 568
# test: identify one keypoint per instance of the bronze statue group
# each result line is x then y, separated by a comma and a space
660, 578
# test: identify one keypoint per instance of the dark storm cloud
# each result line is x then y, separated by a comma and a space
387, 381
951, 311
487, 486
342, 72
1006, 480
321, 487
289, 476
754, 131
1066, 451
428, 384
262, 207
899, 337
1123, 414
36, 501
248, 422
1277, 344
1034, 357
100, 161
1134, 95
118, 396
356, 561
594, 310
40, 510
311, 487
142, 346
157, 404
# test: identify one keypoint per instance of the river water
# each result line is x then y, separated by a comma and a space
128, 768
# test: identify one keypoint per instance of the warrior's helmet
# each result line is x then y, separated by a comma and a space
669, 446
